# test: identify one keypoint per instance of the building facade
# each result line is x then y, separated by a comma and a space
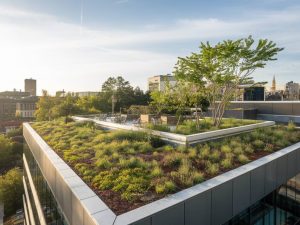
251, 92
25, 108
86, 93
265, 191
292, 91
7, 108
30, 86
158, 83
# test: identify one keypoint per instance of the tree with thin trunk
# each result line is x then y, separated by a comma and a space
220, 69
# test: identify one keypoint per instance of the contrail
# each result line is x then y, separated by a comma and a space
81, 15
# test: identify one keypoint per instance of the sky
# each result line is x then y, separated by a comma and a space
76, 45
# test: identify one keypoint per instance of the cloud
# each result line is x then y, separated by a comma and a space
65, 55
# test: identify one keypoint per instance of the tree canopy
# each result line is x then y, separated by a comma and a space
51, 107
10, 153
11, 191
220, 69
124, 93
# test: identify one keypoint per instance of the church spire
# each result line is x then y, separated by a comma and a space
273, 88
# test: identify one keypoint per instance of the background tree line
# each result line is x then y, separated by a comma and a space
50, 107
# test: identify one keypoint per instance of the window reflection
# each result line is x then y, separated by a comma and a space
281, 207
52, 212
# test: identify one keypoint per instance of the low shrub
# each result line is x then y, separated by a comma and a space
182, 148
238, 150
225, 149
243, 158
269, 148
159, 127
212, 168
291, 126
165, 186
173, 159
156, 172
192, 152
186, 175
215, 156
103, 163
204, 151
226, 163
248, 149
258, 144
168, 148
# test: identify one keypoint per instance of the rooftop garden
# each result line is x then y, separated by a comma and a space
188, 127
129, 169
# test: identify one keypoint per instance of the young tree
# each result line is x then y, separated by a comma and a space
89, 104
67, 107
179, 98
197, 100
120, 89
160, 100
220, 69
45, 107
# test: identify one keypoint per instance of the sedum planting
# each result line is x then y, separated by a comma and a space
128, 169
188, 127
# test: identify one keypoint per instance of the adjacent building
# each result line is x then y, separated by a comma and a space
86, 93
17, 107
14, 94
7, 107
250, 92
292, 91
25, 108
158, 83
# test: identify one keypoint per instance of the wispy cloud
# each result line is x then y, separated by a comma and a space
121, 1
43, 46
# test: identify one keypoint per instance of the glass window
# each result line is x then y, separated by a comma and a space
281, 207
52, 211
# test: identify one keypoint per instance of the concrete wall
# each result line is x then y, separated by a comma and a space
238, 114
270, 107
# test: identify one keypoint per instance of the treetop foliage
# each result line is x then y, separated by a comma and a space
219, 69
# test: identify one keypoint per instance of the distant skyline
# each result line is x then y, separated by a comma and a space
77, 44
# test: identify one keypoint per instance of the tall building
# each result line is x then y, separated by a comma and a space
158, 83
273, 88
292, 91
30, 86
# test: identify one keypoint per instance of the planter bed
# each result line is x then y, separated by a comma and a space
129, 169
181, 139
